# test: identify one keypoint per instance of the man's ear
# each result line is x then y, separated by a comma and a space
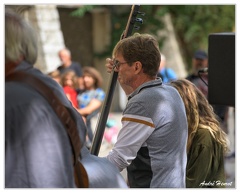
138, 67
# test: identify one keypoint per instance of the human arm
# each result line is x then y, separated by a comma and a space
198, 166
133, 135
92, 106
90, 101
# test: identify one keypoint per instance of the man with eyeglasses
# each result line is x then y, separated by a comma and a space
152, 141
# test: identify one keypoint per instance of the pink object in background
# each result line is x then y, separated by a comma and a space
110, 135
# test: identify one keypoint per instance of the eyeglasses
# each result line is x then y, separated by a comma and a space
116, 64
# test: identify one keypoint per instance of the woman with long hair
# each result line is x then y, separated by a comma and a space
207, 143
91, 99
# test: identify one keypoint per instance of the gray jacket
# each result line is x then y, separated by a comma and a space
38, 153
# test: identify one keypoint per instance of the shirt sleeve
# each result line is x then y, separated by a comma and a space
135, 131
99, 94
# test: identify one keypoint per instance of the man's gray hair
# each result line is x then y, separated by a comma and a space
20, 39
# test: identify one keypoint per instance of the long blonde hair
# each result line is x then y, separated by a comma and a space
199, 113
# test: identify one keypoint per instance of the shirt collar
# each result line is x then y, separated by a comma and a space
152, 83
23, 65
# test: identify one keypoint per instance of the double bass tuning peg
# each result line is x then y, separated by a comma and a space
141, 13
139, 20
136, 27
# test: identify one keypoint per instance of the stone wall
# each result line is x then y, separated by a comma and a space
45, 19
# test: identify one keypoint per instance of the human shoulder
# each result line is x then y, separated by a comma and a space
202, 132
99, 94
203, 137
74, 63
77, 68
154, 92
16, 93
99, 90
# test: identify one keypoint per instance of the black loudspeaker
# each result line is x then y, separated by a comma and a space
221, 69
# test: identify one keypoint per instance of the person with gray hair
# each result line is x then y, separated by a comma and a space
68, 65
38, 152
20, 42
37, 148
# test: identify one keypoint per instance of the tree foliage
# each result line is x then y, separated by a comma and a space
192, 23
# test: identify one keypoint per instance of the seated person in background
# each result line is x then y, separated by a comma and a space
207, 142
90, 100
69, 83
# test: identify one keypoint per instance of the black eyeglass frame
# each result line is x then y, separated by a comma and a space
116, 64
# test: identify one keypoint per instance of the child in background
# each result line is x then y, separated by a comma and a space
55, 75
69, 83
